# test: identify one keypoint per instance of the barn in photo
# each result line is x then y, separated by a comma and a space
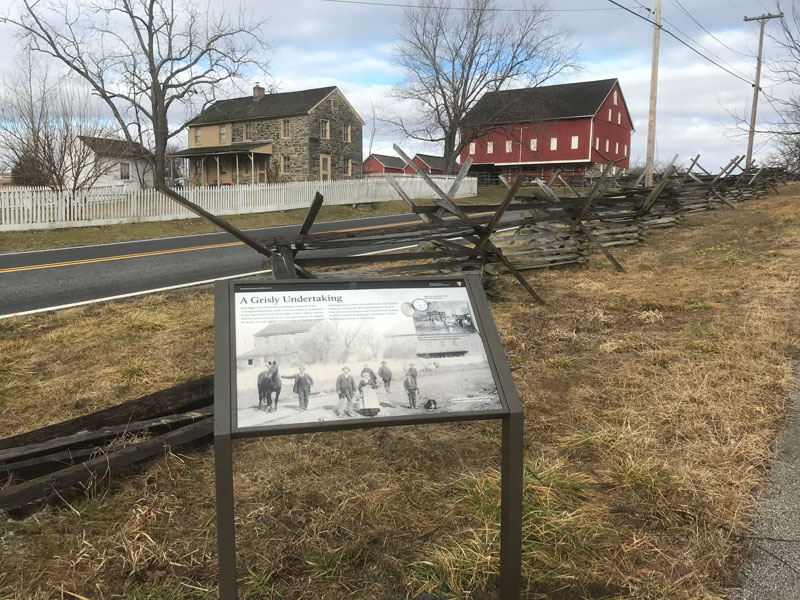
577, 127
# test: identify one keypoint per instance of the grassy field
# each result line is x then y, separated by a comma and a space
651, 398
18, 241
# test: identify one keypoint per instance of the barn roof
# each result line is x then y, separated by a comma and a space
115, 147
391, 162
433, 162
286, 328
269, 106
543, 103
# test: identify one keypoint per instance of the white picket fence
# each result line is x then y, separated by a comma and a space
35, 208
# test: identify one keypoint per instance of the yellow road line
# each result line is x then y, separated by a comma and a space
87, 261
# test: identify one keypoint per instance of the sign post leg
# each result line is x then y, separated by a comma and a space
511, 507
226, 532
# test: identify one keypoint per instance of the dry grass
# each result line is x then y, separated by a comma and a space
652, 399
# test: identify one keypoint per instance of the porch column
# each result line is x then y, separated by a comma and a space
252, 168
237, 170
216, 157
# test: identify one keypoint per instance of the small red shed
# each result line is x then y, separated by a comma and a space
383, 163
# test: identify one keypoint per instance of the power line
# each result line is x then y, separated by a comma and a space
691, 16
711, 52
513, 10
692, 48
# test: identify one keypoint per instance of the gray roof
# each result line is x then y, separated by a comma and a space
229, 149
115, 147
392, 162
434, 162
286, 328
268, 106
543, 103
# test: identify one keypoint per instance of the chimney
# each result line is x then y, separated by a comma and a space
258, 91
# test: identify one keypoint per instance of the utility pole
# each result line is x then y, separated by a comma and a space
651, 124
756, 88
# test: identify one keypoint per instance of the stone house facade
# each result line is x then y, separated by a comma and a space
270, 138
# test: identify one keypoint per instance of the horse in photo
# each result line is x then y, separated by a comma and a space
269, 382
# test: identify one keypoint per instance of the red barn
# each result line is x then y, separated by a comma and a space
428, 163
382, 163
575, 126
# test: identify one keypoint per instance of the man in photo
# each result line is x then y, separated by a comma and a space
302, 386
385, 373
410, 383
412, 371
346, 388
371, 374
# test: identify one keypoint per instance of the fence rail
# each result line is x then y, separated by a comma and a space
27, 209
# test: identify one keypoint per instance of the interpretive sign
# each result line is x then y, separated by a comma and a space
313, 355
349, 352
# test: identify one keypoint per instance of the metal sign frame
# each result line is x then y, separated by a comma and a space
225, 431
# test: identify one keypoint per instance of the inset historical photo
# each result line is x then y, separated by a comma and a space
361, 356
445, 317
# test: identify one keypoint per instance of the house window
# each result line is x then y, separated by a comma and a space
198, 135
472, 148
285, 164
574, 144
223, 133
348, 167
285, 128
250, 362
616, 147
534, 142
325, 129
597, 143
615, 97
489, 147
124, 170
248, 131
198, 166
346, 132
334, 104
247, 167
606, 145
609, 115
223, 165
508, 145
619, 118
554, 143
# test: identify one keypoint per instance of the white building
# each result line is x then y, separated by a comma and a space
120, 163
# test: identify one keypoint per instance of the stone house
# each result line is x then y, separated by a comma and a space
266, 138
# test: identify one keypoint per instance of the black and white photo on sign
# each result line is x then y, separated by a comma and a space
310, 356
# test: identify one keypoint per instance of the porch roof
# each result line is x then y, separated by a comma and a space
263, 147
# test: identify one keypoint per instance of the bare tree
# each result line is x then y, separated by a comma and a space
452, 53
42, 122
144, 58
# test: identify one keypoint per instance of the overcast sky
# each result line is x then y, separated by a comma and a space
317, 43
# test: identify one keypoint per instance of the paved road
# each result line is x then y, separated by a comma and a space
54, 278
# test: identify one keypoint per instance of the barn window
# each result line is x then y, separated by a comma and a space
533, 144
574, 144
615, 97
489, 147
597, 143
626, 149
616, 147
472, 148
619, 118
609, 115
508, 145
606, 145
554, 143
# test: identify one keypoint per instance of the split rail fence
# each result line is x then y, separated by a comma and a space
41, 208
527, 230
